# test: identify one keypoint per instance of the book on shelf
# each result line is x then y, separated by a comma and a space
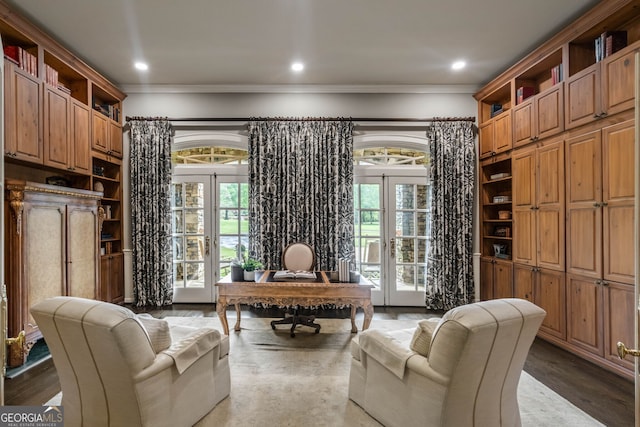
524, 92
294, 275
496, 109
22, 58
608, 43
556, 74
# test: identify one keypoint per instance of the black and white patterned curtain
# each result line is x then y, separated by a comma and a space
150, 163
301, 189
450, 260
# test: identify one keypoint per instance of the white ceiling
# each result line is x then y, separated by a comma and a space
344, 43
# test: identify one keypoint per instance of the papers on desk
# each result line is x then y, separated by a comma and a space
294, 275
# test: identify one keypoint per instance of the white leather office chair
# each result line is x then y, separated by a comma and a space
298, 257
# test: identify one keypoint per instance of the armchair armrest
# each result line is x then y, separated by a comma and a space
192, 346
390, 349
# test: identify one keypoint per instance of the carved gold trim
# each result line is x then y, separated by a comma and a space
61, 191
16, 201
101, 216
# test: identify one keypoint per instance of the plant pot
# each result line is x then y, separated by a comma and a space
249, 276
237, 273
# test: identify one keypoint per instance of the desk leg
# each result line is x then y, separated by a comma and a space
368, 314
237, 327
354, 328
221, 308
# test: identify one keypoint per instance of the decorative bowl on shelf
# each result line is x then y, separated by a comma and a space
504, 214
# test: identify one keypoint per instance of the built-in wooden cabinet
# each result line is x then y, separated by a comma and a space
549, 292
112, 276
538, 205
497, 276
496, 135
62, 119
539, 117
23, 115
571, 179
51, 250
600, 211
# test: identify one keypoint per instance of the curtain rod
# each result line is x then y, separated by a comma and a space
353, 119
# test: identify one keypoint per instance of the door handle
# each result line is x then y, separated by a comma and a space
207, 245
392, 246
623, 351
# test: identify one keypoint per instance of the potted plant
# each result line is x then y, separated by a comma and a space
250, 265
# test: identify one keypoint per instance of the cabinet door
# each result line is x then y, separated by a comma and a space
549, 210
44, 259
584, 314
82, 258
618, 83
485, 134
80, 137
57, 150
523, 125
100, 132
115, 139
23, 131
523, 279
549, 293
549, 112
582, 97
619, 312
618, 197
583, 195
503, 279
116, 278
486, 279
524, 231
503, 138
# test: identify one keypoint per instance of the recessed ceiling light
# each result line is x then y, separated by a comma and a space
141, 66
458, 65
297, 67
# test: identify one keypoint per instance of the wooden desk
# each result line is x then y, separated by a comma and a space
303, 293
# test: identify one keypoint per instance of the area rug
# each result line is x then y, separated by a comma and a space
282, 381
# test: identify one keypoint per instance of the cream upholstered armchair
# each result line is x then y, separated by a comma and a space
461, 370
117, 368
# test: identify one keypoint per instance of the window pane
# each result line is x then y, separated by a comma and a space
404, 250
405, 225
177, 195
178, 220
404, 196
195, 249
421, 202
194, 195
194, 221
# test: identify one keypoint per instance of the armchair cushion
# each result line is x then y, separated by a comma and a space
157, 331
421, 341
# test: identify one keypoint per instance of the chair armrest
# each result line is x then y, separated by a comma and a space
420, 365
191, 347
160, 363
390, 349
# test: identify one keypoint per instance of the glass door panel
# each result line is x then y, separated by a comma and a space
191, 231
409, 239
368, 226
233, 221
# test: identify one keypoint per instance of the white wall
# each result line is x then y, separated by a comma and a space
457, 102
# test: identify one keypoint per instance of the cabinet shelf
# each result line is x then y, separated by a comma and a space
497, 181
497, 220
498, 238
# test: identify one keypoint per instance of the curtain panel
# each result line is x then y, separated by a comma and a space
150, 162
301, 189
450, 256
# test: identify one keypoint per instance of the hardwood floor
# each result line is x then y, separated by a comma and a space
601, 394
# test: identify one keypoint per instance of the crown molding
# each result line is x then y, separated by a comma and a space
446, 89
